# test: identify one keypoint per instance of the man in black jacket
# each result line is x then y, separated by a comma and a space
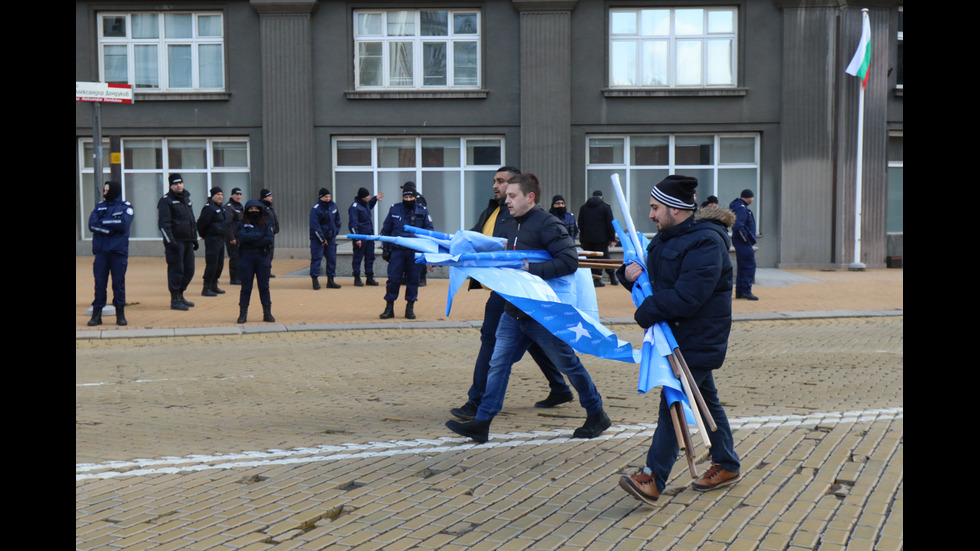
175, 217
597, 232
691, 282
211, 227
534, 229
233, 214
496, 220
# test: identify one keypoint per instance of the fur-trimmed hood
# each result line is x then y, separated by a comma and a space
717, 214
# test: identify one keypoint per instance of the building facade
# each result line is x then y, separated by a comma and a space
294, 95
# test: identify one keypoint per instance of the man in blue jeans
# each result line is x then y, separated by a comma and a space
691, 280
535, 229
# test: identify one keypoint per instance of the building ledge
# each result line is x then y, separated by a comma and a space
416, 94
673, 92
182, 96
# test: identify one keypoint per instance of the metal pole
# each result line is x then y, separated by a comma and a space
97, 149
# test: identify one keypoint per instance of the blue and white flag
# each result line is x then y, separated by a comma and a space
566, 306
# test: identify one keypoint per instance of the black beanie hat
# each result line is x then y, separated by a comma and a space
323, 191
264, 193
176, 179
362, 193
215, 190
676, 191
746, 193
557, 198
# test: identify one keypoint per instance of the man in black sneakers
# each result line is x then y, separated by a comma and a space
691, 279
495, 221
534, 229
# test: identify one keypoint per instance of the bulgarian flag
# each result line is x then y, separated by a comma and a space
862, 57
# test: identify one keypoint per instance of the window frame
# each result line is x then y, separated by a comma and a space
416, 172
163, 44
129, 176
418, 42
671, 39
627, 168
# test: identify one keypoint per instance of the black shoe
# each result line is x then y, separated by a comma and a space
747, 295
96, 317
594, 425
331, 284
389, 311
466, 412
477, 430
599, 283
235, 281
214, 287
176, 303
358, 282
242, 313
371, 281
316, 283
554, 399
410, 309
186, 302
267, 313
207, 291
121, 316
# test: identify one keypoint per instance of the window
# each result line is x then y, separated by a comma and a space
896, 184
724, 165
454, 174
162, 51
672, 47
900, 64
147, 162
416, 49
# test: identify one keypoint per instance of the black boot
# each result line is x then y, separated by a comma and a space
389, 311
358, 282
214, 287
208, 292
176, 303
96, 317
316, 283
267, 313
121, 316
594, 425
477, 430
242, 313
180, 296
331, 284
371, 281
410, 309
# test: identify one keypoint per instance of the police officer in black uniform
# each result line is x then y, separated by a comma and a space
211, 225
401, 260
175, 216
109, 223
233, 214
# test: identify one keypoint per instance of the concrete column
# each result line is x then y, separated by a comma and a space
546, 35
287, 113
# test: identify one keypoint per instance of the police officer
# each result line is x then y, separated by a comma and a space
175, 217
211, 225
109, 224
401, 260
359, 221
324, 227
233, 214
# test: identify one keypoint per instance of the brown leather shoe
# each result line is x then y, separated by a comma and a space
641, 486
715, 478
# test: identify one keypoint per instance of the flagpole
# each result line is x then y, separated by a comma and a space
857, 265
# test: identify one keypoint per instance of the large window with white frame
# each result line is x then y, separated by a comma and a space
416, 49
162, 51
673, 47
146, 164
453, 173
724, 165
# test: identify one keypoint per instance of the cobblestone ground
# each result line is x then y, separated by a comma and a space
336, 440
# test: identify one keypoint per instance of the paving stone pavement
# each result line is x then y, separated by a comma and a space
334, 438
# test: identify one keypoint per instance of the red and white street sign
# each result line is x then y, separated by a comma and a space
103, 92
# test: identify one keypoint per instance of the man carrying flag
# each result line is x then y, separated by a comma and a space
534, 229
691, 279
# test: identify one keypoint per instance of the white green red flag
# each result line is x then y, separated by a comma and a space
862, 56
